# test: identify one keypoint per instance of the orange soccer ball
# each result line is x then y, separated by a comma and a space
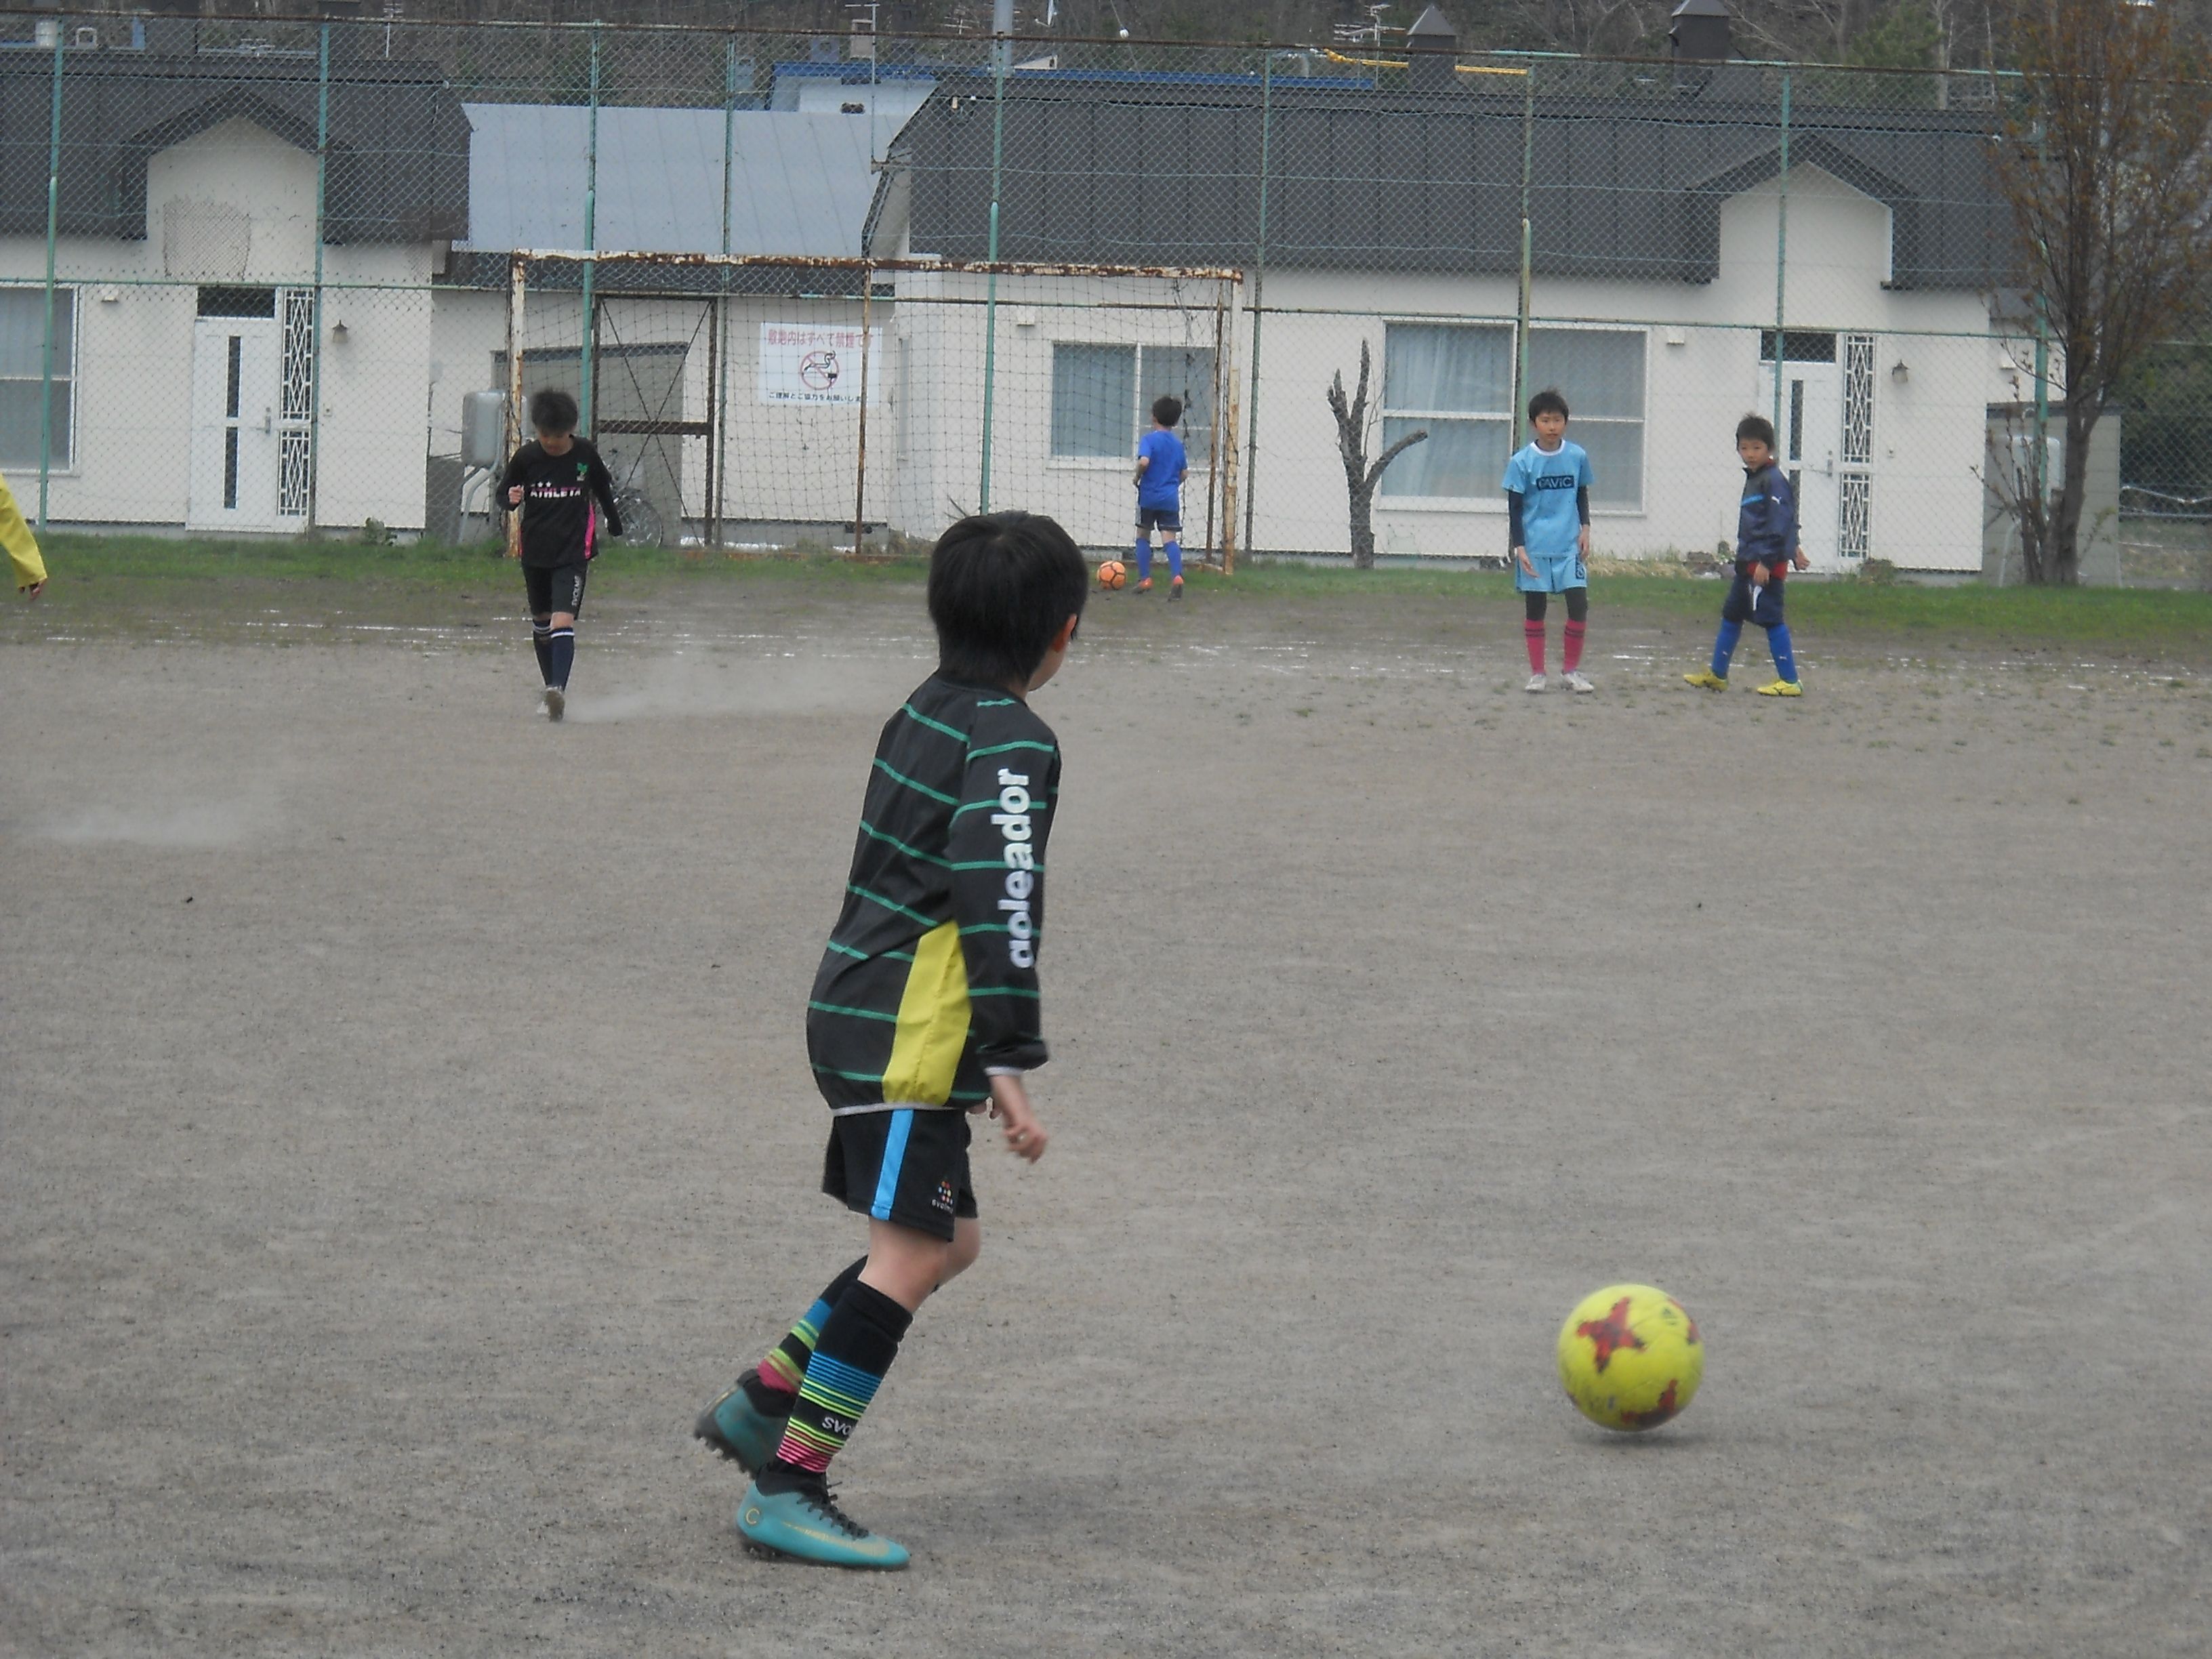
1112, 574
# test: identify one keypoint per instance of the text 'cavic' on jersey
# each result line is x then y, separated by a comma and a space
930, 981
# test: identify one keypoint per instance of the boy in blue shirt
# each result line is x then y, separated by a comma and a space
1161, 468
1766, 547
1548, 512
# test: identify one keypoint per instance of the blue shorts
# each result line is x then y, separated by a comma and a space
1169, 519
1555, 572
1741, 608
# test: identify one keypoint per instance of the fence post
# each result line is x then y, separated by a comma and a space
719, 388
1259, 294
991, 282
315, 310
861, 470
1528, 254
586, 352
517, 288
1781, 256
53, 232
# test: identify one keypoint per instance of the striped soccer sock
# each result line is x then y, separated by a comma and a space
541, 636
1572, 646
787, 1362
1533, 632
561, 653
858, 1344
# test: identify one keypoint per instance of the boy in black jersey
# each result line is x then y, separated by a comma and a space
925, 1010
553, 480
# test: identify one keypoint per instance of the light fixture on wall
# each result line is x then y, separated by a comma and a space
1900, 373
338, 329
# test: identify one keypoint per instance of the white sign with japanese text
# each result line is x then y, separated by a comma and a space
818, 363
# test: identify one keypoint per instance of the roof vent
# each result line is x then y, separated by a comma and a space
1699, 32
1432, 44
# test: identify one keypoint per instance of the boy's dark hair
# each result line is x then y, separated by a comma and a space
1167, 410
1000, 585
1758, 427
552, 411
1547, 402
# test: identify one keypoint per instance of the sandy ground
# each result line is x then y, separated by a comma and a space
407, 1128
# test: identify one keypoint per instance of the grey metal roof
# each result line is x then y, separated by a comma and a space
398, 154
801, 183
1378, 180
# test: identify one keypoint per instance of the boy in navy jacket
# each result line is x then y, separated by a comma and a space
1767, 547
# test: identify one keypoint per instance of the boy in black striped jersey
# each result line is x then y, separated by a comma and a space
551, 481
925, 1010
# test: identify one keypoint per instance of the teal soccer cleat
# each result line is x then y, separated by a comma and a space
806, 1525
740, 1429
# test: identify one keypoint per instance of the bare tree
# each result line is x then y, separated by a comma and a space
1360, 477
2106, 161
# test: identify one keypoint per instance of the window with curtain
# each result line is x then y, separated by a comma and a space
1600, 372
1456, 380
23, 336
1094, 402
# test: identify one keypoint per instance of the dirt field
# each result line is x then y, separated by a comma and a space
407, 1128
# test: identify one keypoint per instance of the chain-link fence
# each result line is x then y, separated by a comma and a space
263, 276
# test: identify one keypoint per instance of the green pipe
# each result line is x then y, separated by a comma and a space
991, 289
315, 345
1259, 294
53, 231
1781, 256
586, 353
1528, 252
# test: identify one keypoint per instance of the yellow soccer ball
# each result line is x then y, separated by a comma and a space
1630, 1358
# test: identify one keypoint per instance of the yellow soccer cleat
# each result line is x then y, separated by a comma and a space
1709, 680
1782, 689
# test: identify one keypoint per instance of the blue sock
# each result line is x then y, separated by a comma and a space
561, 648
1143, 558
1785, 660
540, 636
1174, 550
1724, 646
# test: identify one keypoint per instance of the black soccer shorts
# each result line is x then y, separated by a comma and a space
1169, 519
1746, 603
907, 1166
555, 587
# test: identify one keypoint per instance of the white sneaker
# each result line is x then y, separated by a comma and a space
1535, 682
1577, 682
554, 703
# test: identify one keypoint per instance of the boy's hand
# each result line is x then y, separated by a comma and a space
1759, 576
1801, 560
1522, 554
515, 496
1581, 542
1010, 1104
36, 588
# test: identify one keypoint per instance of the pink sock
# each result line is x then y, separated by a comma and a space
1573, 646
1533, 633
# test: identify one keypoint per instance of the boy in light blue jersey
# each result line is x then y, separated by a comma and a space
1161, 467
1547, 509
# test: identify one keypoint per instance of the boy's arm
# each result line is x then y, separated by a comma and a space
603, 486
996, 852
1143, 461
509, 480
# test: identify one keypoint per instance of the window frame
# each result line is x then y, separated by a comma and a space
1385, 411
1054, 457
1642, 420
64, 462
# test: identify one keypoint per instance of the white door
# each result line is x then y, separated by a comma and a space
1827, 441
237, 382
